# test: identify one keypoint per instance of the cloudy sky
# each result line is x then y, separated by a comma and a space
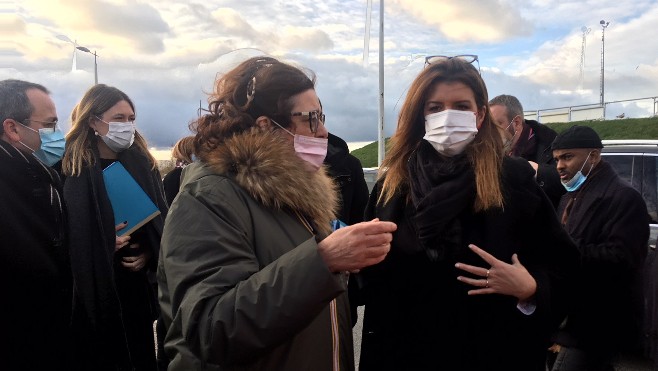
166, 54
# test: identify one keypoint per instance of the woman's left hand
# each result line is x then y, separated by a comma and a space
500, 278
135, 263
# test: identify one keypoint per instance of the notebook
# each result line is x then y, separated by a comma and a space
129, 201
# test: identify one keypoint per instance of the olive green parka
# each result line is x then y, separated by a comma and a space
242, 285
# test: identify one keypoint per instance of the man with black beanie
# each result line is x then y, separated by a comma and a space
607, 218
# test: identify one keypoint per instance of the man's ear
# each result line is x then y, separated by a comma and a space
596, 155
10, 131
518, 123
264, 123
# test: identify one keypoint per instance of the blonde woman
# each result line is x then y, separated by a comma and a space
115, 303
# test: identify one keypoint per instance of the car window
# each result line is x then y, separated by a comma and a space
628, 166
649, 183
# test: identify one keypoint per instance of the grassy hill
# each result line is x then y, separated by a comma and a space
641, 128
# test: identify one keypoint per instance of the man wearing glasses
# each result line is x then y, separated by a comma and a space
35, 278
530, 140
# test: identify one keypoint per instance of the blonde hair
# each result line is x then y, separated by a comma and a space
183, 150
95, 102
485, 153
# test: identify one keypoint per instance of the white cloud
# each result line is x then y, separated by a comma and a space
165, 54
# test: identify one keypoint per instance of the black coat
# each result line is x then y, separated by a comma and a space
35, 278
547, 175
347, 172
114, 308
171, 183
609, 223
418, 316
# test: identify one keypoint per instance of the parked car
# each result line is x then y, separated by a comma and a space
636, 161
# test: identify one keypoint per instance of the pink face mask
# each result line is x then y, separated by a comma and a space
310, 149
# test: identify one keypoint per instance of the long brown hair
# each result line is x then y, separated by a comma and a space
96, 101
485, 152
259, 86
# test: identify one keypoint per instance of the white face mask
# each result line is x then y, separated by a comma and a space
120, 135
450, 131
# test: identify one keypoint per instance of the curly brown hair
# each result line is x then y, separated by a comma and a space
259, 86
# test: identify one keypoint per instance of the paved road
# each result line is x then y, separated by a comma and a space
627, 364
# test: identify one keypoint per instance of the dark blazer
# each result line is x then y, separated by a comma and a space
418, 316
35, 278
609, 223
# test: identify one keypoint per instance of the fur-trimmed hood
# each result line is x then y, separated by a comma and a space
266, 166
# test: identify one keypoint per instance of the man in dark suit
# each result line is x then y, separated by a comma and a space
35, 278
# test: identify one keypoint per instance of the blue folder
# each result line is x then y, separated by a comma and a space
129, 201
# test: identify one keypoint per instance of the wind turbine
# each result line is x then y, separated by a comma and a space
75, 45
84, 49
585, 31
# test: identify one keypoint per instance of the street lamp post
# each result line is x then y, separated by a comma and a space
86, 50
82, 49
604, 25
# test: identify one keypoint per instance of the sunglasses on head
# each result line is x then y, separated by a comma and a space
468, 58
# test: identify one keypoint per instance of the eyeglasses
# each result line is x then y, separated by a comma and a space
314, 119
468, 58
47, 123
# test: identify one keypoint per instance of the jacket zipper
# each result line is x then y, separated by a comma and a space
334, 336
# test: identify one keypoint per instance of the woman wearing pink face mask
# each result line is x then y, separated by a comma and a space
250, 274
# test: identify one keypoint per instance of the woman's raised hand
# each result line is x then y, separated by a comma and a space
357, 246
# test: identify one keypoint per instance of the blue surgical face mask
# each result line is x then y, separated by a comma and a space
52, 145
574, 183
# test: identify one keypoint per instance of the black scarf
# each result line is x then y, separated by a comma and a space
441, 189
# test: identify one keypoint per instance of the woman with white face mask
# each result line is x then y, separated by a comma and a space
115, 298
475, 278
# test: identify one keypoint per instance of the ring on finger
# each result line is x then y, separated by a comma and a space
486, 284
487, 273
